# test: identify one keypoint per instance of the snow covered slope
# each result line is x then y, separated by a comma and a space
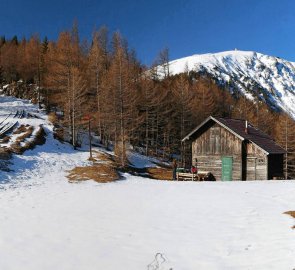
52, 159
253, 74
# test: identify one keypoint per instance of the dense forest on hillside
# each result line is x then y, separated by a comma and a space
130, 104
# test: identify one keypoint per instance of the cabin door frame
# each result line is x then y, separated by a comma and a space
251, 168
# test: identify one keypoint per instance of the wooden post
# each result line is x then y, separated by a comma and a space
88, 118
89, 134
286, 148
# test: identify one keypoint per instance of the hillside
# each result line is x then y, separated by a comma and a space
269, 78
107, 83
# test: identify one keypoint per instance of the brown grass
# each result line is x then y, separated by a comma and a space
292, 214
5, 139
160, 173
20, 129
5, 153
59, 134
102, 157
52, 118
40, 136
102, 170
27, 133
16, 148
38, 140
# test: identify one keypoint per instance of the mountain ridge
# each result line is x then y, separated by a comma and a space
254, 75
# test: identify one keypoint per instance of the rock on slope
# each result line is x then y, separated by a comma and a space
255, 75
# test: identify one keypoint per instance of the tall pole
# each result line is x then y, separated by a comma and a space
89, 134
286, 147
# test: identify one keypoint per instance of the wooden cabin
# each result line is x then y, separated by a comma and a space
233, 149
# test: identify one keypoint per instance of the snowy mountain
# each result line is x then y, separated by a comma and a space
269, 78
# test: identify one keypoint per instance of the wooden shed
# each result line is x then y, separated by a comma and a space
233, 149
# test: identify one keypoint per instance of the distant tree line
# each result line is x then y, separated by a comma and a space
130, 104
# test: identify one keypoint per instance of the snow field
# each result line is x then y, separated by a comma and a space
48, 223
123, 225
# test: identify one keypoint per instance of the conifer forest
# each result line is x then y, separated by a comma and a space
130, 104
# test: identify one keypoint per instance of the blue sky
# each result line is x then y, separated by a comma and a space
185, 26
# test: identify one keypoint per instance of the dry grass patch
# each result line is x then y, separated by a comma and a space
5, 156
103, 157
27, 133
6, 139
102, 170
38, 139
20, 129
52, 117
160, 173
292, 214
5, 153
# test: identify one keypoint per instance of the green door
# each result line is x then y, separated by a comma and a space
227, 168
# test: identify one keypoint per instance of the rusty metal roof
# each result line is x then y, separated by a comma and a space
238, 128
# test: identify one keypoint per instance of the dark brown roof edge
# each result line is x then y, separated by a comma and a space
282, 151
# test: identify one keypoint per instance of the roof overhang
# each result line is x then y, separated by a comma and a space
187, 137
211, 118
267, 153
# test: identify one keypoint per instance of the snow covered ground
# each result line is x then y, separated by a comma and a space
48, 223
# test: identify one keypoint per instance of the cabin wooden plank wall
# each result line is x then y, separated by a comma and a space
214, 139
211, 146
257, 163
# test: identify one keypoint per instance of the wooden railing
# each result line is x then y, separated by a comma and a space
199, 176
